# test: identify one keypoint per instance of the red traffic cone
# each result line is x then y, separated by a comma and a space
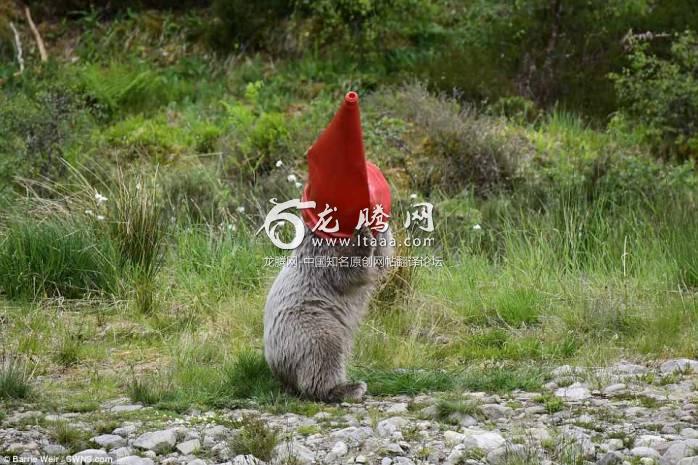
339, 177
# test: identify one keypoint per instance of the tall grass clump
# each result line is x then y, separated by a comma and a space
55, 257
15, 378
138, 229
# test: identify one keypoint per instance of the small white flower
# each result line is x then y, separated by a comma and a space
100, 217
138, 186
100, 198
89, 212
298, 184
413, 196
279, 164
231, 227
292, 178
241, 209
477, 227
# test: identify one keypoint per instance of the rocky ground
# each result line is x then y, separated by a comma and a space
628, 413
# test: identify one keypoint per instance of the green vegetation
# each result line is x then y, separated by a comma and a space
15, 378
138, 162
255, 438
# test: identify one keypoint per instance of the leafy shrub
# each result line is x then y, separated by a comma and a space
56, 258
461, 150
248, 25
367, 29
40, 125
124, 88
662, 94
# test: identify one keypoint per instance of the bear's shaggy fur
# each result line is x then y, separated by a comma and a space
312, 313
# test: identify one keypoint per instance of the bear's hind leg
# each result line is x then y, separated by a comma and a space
350, 392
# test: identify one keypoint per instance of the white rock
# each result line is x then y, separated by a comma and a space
134, 460
55, 449
246, 460
157, 441
196, 462
496, 411
403, 461
120, 452
655, 442
689, 461
679, 364
125, 430
453, 437
614, 388
399, 407
189, 447
615, 444
574, 392
293, 451
644, 452
486, 442
109, 441
689, 433
91, 455
387, 427
340, 449
126, 408
352, 435
675, 452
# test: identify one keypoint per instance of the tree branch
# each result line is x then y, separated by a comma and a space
37, 36
18, 46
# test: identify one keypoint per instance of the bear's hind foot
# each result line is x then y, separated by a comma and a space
349, 392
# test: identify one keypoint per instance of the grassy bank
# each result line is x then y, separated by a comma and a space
134, 269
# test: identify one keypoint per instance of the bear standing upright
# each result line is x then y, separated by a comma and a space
313, 311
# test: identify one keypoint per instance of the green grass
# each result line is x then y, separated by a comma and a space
585, 253
15, 378
256, 438
68, 436
55, 257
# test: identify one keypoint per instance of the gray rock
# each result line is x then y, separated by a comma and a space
157, 441
515, 453
676, 451
197, 462
340, 449
496, 411
125, 430
353, 435
679, 364
614, 389
403, 461
134, 460
689, 461
120, 452
126, 408
610, 458
574, 392
399, 407
644, 452
91, 456
486, 441
453, 437
189, 447
387, 427
288, 451
689, 433
246, 460
109, 441
655, 442
55, 449
615, 444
